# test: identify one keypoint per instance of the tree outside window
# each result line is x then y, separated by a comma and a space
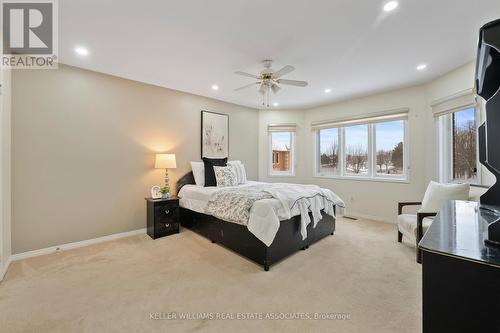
464, 137
356, 148
389, 146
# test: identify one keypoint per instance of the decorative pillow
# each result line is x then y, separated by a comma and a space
209, 169
437, 194
225, 176
198, 173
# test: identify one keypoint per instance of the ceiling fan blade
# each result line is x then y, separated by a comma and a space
285, 70
247, 86
247, 75
293, 83
275, 88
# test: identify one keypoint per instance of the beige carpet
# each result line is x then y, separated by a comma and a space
117, 286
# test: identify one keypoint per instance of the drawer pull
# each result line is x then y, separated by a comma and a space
167, 211
167, 225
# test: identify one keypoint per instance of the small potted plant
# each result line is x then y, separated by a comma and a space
165, 191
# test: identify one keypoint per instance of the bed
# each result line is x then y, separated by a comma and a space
288, 236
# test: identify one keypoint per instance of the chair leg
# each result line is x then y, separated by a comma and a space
400, 236
419, 255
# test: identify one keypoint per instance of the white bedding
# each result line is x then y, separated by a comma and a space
265, 214
196, 197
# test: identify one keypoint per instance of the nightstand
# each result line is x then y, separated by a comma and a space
163, 217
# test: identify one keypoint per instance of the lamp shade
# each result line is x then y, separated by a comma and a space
165, 161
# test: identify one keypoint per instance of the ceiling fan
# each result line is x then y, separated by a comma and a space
270, 80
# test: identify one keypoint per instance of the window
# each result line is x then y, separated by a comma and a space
282, 151
369, 148
356, 150
389, 147
328, 151
276, 157
464, 145
458, 147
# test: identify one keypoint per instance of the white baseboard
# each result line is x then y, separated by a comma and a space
4, 269
369, 217
68, 246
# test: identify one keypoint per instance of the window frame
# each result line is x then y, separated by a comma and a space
444, 130
371, 148
273, 173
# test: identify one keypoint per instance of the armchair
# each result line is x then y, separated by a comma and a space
413, 226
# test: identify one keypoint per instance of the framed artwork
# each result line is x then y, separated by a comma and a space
214, 135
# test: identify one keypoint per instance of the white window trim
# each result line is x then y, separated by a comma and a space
271, 172
372, 174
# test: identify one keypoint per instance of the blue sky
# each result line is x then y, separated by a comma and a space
281, 138
463, 117
357, 136
328, 136
388, 135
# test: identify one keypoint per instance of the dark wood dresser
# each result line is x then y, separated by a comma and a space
460, 274
162, 217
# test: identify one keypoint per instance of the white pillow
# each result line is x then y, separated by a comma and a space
243, 173
239, 169
198, 173
225, 176
236, 169
437, 194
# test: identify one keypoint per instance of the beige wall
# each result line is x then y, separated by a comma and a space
83, 149
371, 199
5, 167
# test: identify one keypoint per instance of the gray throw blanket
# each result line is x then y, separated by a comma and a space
234, 204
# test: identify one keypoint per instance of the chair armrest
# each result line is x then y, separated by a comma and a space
420, 228
407, 203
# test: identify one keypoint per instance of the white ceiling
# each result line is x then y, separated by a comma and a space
352, 47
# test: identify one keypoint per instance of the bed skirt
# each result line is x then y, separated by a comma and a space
236, 237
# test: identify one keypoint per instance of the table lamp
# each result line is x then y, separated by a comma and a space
165, 161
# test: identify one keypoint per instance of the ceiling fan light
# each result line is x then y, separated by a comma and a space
275, 88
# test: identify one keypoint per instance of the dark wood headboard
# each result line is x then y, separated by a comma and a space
187, 179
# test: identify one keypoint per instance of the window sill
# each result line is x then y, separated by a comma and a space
280, 176
370, 179
474, 184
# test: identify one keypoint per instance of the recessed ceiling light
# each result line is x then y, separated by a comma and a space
328, 90
215, 87
81, 51
390, 6
421, 67
276, 104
